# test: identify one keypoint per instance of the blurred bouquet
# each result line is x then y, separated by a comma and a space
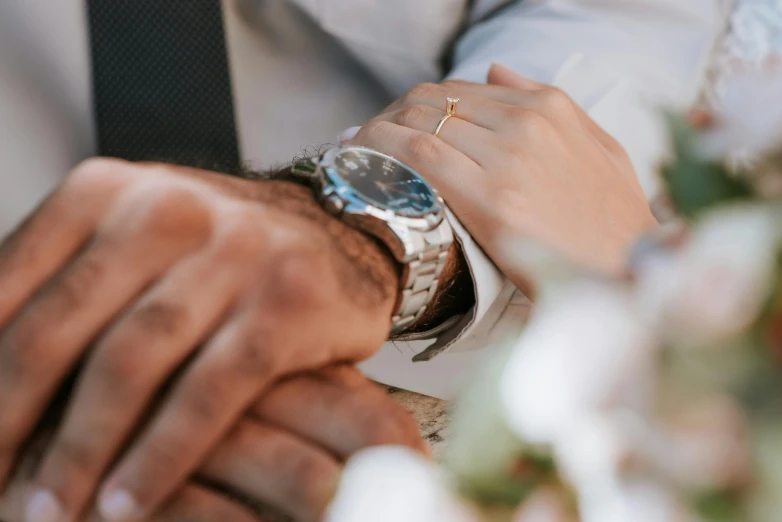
655, 398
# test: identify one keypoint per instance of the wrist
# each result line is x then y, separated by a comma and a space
373, 272
373, 263
455, 294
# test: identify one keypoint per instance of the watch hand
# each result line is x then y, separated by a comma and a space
385, 187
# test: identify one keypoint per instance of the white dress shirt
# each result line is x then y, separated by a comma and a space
301, 75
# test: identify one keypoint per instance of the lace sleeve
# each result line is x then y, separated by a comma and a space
752, 42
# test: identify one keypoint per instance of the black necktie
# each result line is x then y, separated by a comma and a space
161, 82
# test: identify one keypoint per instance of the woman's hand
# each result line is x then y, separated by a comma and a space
519, 160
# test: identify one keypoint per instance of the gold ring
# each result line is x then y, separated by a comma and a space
450, 110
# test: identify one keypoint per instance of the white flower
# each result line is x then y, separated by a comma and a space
584, 349
706, 446
394, 484
714, 288
595, 451
544, 505
749, 118
639, 499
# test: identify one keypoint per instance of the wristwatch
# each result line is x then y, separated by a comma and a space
388, 200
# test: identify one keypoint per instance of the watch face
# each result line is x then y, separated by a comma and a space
385, 183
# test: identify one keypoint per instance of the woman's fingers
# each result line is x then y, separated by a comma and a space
275, 468
445, 167
500, 75
477, 102
507, 77
340, 411
473, 141
157, 334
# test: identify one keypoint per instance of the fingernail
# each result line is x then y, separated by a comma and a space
348, 134
119, 506
43, 506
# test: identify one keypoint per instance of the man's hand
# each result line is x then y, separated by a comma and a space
285, 455
160, 269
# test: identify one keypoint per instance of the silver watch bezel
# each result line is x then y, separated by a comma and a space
392, 229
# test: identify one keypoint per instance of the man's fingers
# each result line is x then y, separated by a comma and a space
342, 412
276, 468
33, 253
233, 368
47, 338
125, 371
196, 503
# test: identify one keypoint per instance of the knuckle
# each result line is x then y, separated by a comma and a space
421, 92
166, 201
378, 130
160, 319
76, 457
210, 398
239, 237
556, 100
25, 349
295, 281
530, 123
426, 148
389, 425
161, 458
309, 470
121, 365
510, 147
117, 369
309, 473
454, 84
411, 116
93, 172
75, 287
344, 374
167, 210
252, 359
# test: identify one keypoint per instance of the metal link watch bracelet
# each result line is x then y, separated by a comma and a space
386, 199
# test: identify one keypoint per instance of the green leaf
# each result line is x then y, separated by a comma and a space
719, 506
696, 183
696, 187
